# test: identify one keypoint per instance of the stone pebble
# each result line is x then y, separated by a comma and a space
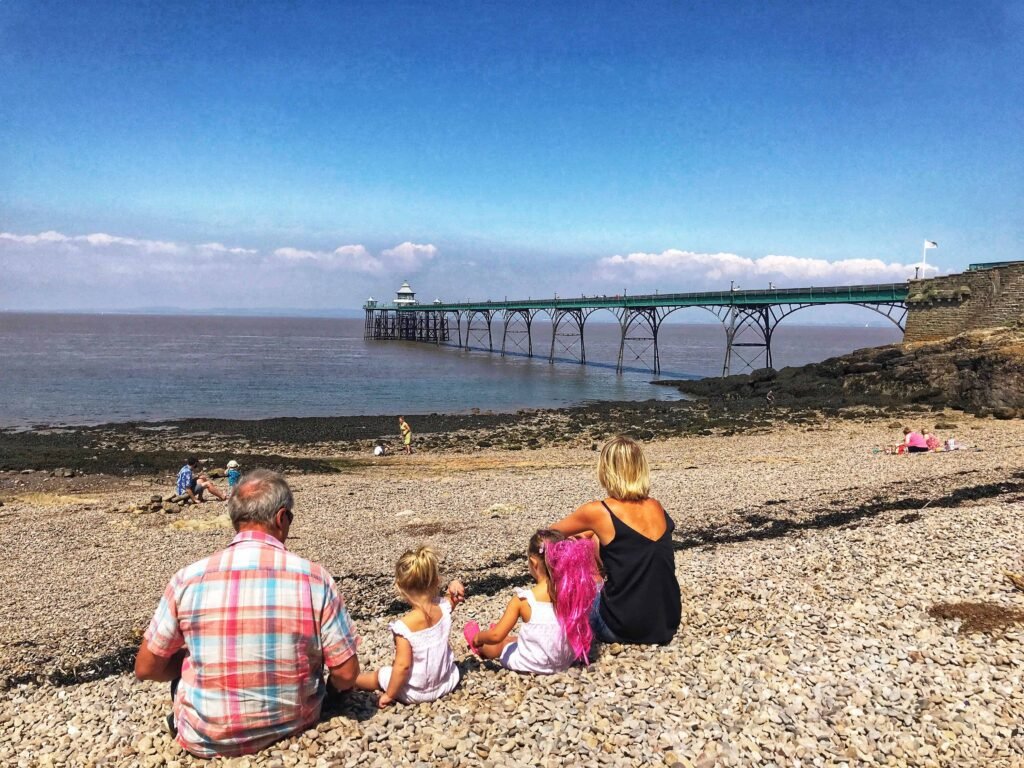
805, 636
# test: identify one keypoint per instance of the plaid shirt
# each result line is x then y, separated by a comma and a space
260, 623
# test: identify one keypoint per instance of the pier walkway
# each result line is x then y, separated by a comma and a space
750, 318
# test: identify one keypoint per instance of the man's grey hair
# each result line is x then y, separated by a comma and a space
258, 496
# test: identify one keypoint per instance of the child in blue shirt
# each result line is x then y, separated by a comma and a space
234, 474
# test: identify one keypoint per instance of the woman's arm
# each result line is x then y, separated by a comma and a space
503, 627
591, 518
401, 671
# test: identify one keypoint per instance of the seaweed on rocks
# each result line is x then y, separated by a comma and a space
988, 618
980, 372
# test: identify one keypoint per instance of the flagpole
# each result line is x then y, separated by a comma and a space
924, 253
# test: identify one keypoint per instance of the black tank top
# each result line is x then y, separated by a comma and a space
640, 602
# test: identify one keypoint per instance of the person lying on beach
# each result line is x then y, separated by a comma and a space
424, 666
641, 602
243, 636
192, 485
555, 612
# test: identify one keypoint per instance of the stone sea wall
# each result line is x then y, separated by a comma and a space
942, 307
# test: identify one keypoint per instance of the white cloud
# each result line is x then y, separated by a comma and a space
295, 254
53, 270
408, 256
221, 248
149, 246
405, 258
349, 257
42, 237
699, 270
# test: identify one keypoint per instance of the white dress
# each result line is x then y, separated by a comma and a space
433, 671
541, 647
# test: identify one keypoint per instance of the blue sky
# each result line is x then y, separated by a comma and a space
307, 154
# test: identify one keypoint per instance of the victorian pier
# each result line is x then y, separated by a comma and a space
749, 319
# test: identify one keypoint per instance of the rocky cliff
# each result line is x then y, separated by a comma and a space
980, 372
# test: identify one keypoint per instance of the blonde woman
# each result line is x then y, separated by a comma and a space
640, 602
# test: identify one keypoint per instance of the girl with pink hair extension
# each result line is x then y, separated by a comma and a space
555, 613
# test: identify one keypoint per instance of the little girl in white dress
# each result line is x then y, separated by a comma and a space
424, 666
555, 612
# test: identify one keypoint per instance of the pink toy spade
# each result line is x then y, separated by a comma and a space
471, 630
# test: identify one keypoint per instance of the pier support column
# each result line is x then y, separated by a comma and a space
748, 337
477, 334
567, 334
518, 325
639, 338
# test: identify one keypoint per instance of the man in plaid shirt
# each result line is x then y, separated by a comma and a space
249, 631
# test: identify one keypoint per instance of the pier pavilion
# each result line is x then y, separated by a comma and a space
749, 317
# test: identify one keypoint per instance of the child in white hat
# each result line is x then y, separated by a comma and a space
234, 475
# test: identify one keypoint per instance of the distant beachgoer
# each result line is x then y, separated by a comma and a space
555, 612
914, 441
243, 636
192, 486
641, 601
424, 665
932, 442
406, 430
381, 449
234, 474
770, 399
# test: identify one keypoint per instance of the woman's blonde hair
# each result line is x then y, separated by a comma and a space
417, 572
623, 471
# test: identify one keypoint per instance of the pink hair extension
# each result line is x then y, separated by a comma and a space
573, 570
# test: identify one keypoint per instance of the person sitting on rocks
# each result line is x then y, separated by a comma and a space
424, 668
914, 441
641, 601
555, 613
191, 486
247, 633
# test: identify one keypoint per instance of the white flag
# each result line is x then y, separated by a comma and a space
930, 244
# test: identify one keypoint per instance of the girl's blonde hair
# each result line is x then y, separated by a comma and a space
623, 471
417, 572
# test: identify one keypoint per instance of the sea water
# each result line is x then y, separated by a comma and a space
90, 369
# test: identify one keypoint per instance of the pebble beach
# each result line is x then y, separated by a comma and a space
823, 605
